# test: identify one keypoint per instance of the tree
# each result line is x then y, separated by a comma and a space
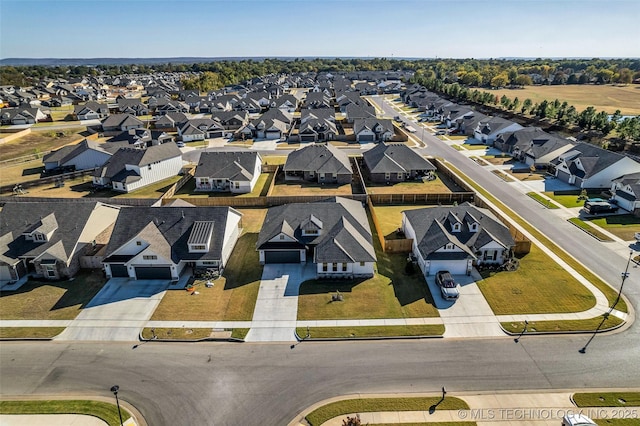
499, 80
625, 76
604, 76
585, 118
515, 104
526, 105
513, 75
524, 80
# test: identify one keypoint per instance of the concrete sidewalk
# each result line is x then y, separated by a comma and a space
502, 409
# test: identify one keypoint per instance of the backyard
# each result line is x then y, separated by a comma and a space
411, 187
293, 188
40, 141
259, 190
623, 226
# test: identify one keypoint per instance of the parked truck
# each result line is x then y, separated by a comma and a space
594, 207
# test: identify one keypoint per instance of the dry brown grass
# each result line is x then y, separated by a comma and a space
413, 187
282, 188
606, 97
21, 172
40, 141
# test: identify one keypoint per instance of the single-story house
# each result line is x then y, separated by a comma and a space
47, 239
200, 129
626, 192
228, 171
373, 129
81, 156
456, 238
333, 234
322, 163
317, 125
21, 115
159, 242
395, 163
121, 122
129, 169
91, 111
488, 130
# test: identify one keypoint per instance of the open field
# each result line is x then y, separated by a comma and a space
606, 97
51, 300
40, 141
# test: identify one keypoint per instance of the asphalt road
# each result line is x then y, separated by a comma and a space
268, 384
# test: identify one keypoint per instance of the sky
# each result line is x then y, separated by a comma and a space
319, 28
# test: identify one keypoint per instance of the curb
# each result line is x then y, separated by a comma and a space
27, 339
586, 231
566, 332
342, 339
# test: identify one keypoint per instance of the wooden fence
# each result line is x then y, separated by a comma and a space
179, 184
113, 201
47, 180
402, 245
423, 198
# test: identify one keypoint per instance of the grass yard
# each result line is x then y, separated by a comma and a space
309, 188
390, 217
565, 325
595, 233
504, 176
183, 333
472, 147
569, 201
102, 410
539, 286
154, 190
232, 298
390, 293
372, 331
542, 200
526, 176
411, 187
40, 141
275, 159
21, 172
607, 399
51, 300
607, 98
252, 220
622, 226
61, 113
29, 332
456, 146
498, 159
368, 405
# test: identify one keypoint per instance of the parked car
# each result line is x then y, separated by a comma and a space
180, 144
441, 132
397, 118
448, 287
637, 236
577, 420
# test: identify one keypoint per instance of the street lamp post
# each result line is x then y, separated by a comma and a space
517, 339
115, 389
625, 275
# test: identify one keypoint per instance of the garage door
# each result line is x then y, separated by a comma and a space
155, 273
307, 138
563, 176
118, 270
216, 134
272, 135
456, 267
290, 256
366, 138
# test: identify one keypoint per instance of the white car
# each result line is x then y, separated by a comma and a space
577, 420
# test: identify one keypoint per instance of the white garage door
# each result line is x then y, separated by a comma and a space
456, 267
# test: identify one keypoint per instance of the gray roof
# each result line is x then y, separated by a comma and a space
93, 106
395, 158
344, 229
201, 232
67, 220
168, 230
118, 120
138, 157
382, 124
232, 165
69, 152
320, 158
593, 159
433, 227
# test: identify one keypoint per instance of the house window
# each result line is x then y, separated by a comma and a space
334, 267
198, 247
449, 246
387, 176
344, 267
237, 185
51, 273
456, 227
149, 257
281, 236
209, 262
39, 237
399, 175
138, 243
325, 267
361, 263
204, 180
149, 167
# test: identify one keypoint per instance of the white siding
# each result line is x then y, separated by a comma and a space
157, 172
604, 178
89, 159
5, 273
231, 233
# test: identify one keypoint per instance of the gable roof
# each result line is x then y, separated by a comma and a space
395, 158
384, 124
168, 230
66, 153
232, 165
593, 159
345, 235
321, 158
137, 157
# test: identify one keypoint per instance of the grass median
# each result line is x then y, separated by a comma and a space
542, 200
607, 399
30, 332
589, 229
371, 331
368, 405
565, 325
102, 410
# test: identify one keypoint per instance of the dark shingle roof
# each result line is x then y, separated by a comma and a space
320, 158
227, 165
395, 158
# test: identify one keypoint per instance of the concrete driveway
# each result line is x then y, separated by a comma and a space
118, 311
276, 311
470, 315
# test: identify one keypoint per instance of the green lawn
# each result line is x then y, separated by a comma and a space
152, 191
607, 399
568, 201
411, 187
275, 159
372, 331
505, 177
623, 226
589, 229
539, 286
389, 294
608, 291
390, 217
566, 325
542, 200
102, 410
51, 300
367, 405
232, 298
29, 332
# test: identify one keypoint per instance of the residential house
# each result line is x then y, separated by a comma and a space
386, 163
322, 163
317, 125
159, 242
354, 112
231, 120
228, 171
316, 100
333, 234
21, 115
131, 106
456, 238
129, 169
121, 122
590, 167
626, 192
273, 124
170, 120
488, 130
373, 129
200, 129
287, 103
91, 111
47, 239
140, 138
81, 156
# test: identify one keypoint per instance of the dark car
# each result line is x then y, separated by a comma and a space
448, 287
